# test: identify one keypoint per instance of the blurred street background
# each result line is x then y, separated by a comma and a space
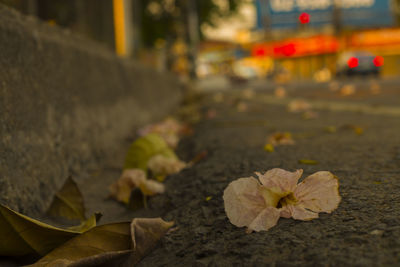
226, 42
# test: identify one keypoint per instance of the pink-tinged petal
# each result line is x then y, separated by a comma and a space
130, 179
243, 201
266, 219
297, 212
319, 192
279, 179
285, 212
151, 188
161, 165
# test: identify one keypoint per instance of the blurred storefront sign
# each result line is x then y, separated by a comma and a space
298, 47
385, 40
278, 14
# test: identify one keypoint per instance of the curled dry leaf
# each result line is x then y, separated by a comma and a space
131, 179
280, 139
162, 166
22, 235
68, 202
145, 234
299, 105
258, 203
116, 244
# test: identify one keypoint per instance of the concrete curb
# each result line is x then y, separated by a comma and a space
64, 102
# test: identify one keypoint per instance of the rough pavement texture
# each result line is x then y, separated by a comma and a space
65, 103
363, 231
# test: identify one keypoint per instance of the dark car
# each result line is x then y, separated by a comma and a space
358, 63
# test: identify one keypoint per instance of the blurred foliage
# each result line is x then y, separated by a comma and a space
167, 19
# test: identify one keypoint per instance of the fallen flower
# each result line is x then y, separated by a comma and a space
299, 105
131, 179
169, 129
280, 139
259, 205
161, 166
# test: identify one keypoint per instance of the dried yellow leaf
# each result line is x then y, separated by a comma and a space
308, 161
22, 235
68, 202
269, 148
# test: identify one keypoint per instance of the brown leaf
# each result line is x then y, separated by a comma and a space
22, 235
117, 244
68, 202
145, 234
101, 239
280, 139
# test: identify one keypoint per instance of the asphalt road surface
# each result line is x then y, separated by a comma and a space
353, 133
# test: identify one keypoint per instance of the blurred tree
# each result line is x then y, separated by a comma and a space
167, 19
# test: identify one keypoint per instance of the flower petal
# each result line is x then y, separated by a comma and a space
151, 188
266, 219
297, 212
243, 201
319, 192
280, 180
161, 165
130, 179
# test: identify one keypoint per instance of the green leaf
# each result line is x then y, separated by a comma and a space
144, 148
68, 202
117, 244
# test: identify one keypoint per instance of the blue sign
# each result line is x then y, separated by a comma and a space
278, 14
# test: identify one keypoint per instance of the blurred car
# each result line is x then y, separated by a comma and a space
358, 63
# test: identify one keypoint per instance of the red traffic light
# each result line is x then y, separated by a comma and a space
304, 18
352, 62
378, 61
